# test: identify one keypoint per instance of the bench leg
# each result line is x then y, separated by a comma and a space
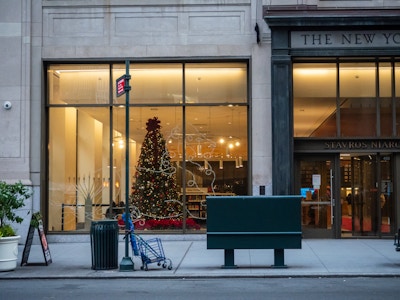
279, 258
229, 257
397, 240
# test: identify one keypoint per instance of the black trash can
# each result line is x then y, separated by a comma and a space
104, 244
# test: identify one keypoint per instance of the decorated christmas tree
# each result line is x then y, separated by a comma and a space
154, 191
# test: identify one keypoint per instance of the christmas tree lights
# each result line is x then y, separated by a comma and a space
154, 191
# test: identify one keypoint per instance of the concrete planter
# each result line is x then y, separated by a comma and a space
9, 252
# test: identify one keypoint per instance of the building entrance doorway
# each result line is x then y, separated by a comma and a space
346, 195
316, 184
366, 195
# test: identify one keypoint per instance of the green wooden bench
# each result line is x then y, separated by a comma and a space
254, 222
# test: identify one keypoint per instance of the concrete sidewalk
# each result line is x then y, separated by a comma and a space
191, 259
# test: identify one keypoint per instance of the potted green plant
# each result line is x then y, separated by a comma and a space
12, 197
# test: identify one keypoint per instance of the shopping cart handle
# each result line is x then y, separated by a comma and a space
128, 232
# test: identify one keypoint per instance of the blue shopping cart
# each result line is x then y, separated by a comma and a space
150, 251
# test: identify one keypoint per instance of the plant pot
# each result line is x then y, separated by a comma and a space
9, 252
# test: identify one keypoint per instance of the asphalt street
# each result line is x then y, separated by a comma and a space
355, 288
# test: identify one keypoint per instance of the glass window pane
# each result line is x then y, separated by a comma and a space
314, 104
157, 167
155, 83
397, 77
387, 203
216, 150
357, 82
62, 175
118, 176
78, 84
397, 97
216, 83
78, 167
385, 99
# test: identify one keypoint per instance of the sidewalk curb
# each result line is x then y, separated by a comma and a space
190, 277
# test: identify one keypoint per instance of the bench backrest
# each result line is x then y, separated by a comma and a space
254, 222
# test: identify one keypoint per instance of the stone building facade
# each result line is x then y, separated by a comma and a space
37, 37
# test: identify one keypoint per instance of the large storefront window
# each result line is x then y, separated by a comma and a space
333, 99
187, 139
355, 130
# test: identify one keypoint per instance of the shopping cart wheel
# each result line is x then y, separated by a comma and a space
164, 265
170, 267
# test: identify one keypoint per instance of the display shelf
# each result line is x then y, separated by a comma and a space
196, 201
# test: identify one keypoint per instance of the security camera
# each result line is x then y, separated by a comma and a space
7, 105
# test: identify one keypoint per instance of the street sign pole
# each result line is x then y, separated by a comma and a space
126, 263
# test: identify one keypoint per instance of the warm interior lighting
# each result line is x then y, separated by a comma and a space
80, 71
199, 153
106, 183
312, 71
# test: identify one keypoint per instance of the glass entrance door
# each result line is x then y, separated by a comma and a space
316, 185
366, 195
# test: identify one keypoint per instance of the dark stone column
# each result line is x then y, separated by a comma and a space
282, 125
